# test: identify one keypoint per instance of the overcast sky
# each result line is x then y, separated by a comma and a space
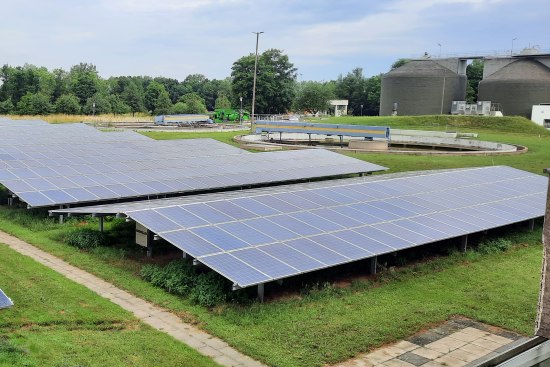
175, 38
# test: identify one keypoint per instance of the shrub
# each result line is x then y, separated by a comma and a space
494, 246
86, 239
180, 277
210, 290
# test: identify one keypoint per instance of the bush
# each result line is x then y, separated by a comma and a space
180, 277
86, 239
210, 290
494, 246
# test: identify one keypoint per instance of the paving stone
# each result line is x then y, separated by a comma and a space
209, 351
498, 339
462, 355
487, 344
475, 350
379, 356
465, 337
394, 351
405, 346
425, 338
413, 358
433, 364
450, 361
428, 353
476, 332
397, 363
226, 361
446, 345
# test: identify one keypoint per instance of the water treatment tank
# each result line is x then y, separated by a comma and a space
423, 87
517, 86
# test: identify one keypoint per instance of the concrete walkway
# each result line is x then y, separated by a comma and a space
152, 315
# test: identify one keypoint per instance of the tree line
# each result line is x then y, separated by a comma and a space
32, 90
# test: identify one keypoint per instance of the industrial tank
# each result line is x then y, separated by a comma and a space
517, 86
423, 87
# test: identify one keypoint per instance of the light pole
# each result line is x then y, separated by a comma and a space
512, 49
254, 82
439, 44
241, 113
361, 110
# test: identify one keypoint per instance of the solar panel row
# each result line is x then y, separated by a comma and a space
255, 239
5, 301
39, 165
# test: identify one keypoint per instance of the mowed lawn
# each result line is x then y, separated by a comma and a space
56, 322
332, 324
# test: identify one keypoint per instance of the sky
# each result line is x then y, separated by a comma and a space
323, 39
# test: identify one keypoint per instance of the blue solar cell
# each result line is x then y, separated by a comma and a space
298, 201
101, 192
153, 220
316, 221
292, 257
139, 188
409, 206
268, 264
334, 194
58, 196
397, 231
464, 215
430, 222
311, 195
39, 184
416, 227
35, 198
276, 204
181, 216
366, 243
17, 186
316, 251
358, 215
232, 210
158, 186
340, 246
83, 181
190, 243
384, 237
246, 233
292, 224
121, 190
387, 211
5, 301
208, 213
24, 173
61, 182
271, 229
336, 217
254, 206
81, 194
219, 238
7, 175
467, 226
358, 196
235, 270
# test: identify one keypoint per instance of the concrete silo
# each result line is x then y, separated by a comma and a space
423, 87
517, 83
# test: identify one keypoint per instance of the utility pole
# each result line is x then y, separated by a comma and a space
254, 82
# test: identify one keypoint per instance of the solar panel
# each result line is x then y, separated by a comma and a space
5, 301
39, 166
278, 239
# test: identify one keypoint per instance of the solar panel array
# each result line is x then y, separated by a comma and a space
8, 122
5, 302
47, 165
254, 239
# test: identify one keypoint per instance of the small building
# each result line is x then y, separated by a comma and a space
541, 114
339, 107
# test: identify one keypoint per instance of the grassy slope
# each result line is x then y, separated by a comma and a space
330, 326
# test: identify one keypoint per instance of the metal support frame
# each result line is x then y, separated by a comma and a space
463, 243
184, 256
261, 292
61, 215
531, 224
373, 265
100, 224
150, 240
341, 141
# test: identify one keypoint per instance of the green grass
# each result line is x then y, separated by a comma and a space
223, 136
56, 322
333, 324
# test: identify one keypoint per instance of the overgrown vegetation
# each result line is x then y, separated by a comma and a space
86, 239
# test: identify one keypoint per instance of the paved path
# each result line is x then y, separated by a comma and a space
460, 342
152, 315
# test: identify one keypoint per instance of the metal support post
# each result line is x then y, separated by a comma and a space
280, 137
341, 141
61, 215
184, 256
463, 243
100, 224
531, 224
261, 292
373, 264
150, 240
309, 138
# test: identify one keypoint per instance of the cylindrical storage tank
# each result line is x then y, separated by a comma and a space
517, 87
421, 87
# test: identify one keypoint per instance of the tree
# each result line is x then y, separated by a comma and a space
314, 96
83, 81
6, 106
162, 104
152, 92
274, 83
222, 102
474, 73
352, 87
117, 105
193, 103
178, 108
68, 104
133, 97
34, 104
102, 105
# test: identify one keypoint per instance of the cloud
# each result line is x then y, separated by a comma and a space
163, 5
